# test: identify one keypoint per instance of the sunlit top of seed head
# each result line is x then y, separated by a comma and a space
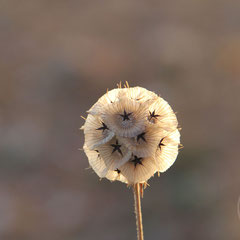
130, 134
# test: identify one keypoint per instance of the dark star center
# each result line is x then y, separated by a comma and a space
117, 170
125, 115
104, 127
160, 143
153, 115
141, 136
116, 147
137, 160
98, 153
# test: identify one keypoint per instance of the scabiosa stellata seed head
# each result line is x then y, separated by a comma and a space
130, 134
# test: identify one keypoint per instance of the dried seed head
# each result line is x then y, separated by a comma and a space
130, 134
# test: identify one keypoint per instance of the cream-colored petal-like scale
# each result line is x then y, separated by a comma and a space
145, 143
162, 114
95, 161
141, 94
114, 154
139, 173
116, 176
166, 158
96, 132
107, 98
98, 165
167, 151
173, 138
127, 118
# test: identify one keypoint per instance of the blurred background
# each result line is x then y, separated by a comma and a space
59, 57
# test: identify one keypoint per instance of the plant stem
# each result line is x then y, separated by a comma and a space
138, 211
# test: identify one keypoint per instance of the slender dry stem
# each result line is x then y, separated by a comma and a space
138, 211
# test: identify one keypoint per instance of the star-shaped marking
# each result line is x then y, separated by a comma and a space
141, 136
160, 143
98, 153
137, 160
125, 115
116, 147
117, 170
104, 127
153, 115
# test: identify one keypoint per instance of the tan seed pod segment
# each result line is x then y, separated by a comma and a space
130, 134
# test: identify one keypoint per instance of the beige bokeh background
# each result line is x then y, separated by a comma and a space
59, 57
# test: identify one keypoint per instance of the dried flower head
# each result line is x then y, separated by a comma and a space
130, 134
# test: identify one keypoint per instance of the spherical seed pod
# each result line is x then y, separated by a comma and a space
130, 134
